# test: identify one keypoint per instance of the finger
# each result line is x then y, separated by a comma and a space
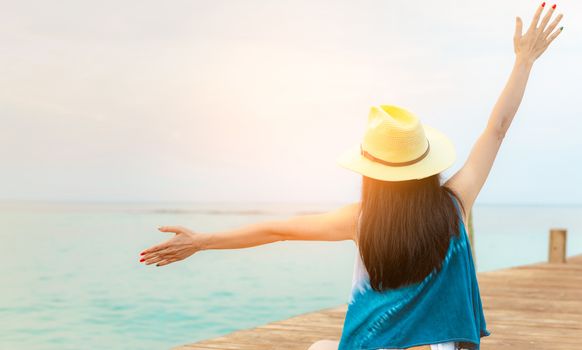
156, 248
553, 25
162, 252
554, 35
549, 41
155, 259
518, 27
547, 18
534, 22
175, 229
166, 262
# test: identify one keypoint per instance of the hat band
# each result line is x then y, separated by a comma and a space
381, 161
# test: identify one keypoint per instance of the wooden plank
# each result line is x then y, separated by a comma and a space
537, 306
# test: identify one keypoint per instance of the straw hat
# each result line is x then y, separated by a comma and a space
397, 147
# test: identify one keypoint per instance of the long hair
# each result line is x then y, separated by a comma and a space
405, 229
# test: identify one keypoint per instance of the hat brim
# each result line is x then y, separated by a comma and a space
441, 156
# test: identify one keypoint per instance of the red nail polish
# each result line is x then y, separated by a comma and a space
543, 4
554, 7
142, 260
142, 253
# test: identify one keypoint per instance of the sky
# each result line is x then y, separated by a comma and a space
252, 101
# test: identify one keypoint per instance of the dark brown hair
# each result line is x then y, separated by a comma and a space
405, 229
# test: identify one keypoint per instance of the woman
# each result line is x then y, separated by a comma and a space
414, 283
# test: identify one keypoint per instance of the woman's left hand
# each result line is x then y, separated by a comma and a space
182, 245
529, 46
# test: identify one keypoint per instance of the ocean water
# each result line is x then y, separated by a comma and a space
71, 277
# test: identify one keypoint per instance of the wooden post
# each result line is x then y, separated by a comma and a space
557, 251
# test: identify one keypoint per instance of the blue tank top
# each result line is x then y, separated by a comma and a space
444, 307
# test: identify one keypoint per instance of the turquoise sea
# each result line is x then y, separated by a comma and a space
71, 277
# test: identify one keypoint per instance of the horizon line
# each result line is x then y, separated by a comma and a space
322, 202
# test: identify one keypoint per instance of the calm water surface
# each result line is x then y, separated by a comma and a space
71, 277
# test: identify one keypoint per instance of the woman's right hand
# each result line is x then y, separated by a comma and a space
529, 46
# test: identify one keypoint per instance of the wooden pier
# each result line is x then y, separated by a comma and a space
530, 307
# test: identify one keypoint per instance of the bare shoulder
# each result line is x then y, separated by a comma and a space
468, 181
335, 225
344, 220
466, 205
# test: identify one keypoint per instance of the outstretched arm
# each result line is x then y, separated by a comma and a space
469, 180
335, 225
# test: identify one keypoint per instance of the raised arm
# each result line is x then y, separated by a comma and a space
335, 225
469, 180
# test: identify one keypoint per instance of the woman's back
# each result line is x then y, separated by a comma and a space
444, 308
359, 278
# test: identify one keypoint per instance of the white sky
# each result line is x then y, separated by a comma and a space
254, 100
